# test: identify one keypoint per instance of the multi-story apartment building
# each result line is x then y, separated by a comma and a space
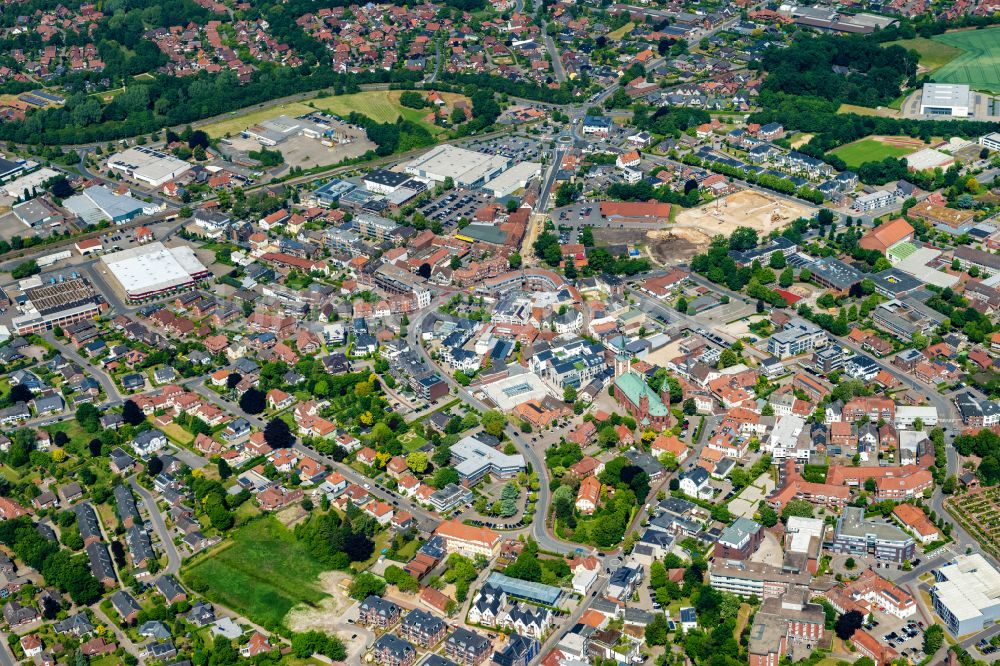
468, 540
422, 628
378, 612
756, 579
797, 337
374, 227
574, 364
859, 536
390, 650
467, 647
873, 201
872, 407
977, 413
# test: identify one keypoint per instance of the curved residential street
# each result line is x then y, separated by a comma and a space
159, 524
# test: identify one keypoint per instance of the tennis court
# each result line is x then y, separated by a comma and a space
902, 250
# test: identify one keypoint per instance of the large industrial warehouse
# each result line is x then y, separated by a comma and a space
466, 168
148, 166
945, 99
58, 302
154, 270
98, 203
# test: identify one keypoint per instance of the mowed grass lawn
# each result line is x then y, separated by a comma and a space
978, 65
933, 54
622, 31
858, 152
380, 105
262, 573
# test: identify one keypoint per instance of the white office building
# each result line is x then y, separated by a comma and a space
475, 459
798, 337
967, 594
873, 201
991, 141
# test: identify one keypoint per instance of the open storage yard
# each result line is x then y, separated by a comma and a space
875, 148
261, 573
978, 65
380, 105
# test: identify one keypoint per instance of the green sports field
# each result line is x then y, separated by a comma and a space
858, 152
262, 573
978, 65
933, 54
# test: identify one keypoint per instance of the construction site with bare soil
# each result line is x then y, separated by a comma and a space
693, 229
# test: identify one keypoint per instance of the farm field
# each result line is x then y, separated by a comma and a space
979, 63
872, 149
261, 572
933, 53
379, 105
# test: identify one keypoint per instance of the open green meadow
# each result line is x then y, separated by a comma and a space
978, 65
262, 572
933, 54
620, 33
380, 105
858, 152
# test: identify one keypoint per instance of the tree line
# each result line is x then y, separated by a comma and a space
850, 69
70, 573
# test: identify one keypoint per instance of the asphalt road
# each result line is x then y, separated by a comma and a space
557, 65
550, 179
173, 556
538, 528
102, 378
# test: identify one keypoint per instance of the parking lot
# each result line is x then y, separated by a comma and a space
114, 241
905, 637
571, 219
986, 647
453, 205
516, 148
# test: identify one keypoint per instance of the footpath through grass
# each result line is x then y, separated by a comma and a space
262, 572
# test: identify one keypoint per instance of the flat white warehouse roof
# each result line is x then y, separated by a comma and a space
945, 94
35, 179
463, 166
928, 158
972, 586
148, 165
153, 267
514, 178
